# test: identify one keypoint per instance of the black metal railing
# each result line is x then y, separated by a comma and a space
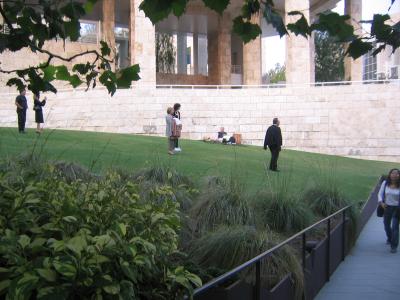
256, 261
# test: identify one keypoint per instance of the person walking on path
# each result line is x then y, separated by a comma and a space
22, 106
37, 107
169, 120
273, 140
389, 199
177, 115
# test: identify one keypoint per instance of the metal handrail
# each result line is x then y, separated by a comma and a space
256, 260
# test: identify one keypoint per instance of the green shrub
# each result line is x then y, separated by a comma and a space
221, 202
228, 247
87, 240
283, 213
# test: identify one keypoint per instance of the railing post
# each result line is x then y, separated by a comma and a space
344, 236
258, 280
328, 250
303, 257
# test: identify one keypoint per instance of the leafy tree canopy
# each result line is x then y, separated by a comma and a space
33, 23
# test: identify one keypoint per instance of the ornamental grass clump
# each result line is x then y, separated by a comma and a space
221, 202
286, 214
228, 247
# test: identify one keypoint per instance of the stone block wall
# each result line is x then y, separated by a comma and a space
353, 120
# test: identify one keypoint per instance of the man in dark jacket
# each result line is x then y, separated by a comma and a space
273, 140
22, 106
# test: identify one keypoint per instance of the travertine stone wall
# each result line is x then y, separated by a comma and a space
353, 120
182, 79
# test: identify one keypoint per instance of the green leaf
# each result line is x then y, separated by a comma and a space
4, 285
62, 73
47, 274
122, 228
77, 244
105, 50
300, 27
49, 73
24, 241
336, 25
358, 48
127, 75
89, 5
249, 8
37, 242
157, 10
17, 82
275, 19
70, 219
65, 268
218, 6
246, 30
112, 289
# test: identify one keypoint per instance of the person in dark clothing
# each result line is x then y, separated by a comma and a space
22, 106
177, 114
273, 140
37, 107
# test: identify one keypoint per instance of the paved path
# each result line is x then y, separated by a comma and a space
370, 271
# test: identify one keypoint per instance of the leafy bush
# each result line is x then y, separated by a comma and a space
228, 247
87, 240
283, 213
221, 202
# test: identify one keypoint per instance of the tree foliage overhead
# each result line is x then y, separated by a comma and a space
329, 58
335, 25
32, 23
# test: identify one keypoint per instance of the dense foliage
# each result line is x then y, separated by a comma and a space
329, 58
92, 239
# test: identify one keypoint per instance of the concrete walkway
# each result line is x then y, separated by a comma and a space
370, 271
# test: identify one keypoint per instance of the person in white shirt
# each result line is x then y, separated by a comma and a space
389, 199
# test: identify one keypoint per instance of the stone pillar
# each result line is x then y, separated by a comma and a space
108, 24
353, 69
181, 53
195, 54
298, 57
252, 62
142, 49
219, 52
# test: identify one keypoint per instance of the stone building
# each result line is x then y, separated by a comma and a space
208, 53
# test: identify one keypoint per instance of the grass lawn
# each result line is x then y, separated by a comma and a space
100, 151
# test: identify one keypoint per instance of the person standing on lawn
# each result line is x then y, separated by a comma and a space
389, 199
22, 106
169, 124
37, 107
177, 115
273, 141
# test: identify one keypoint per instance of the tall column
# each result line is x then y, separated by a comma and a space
195, 53
353, 69
298, 57
108, 24
219, 52
181, 52
252, 63
142, 48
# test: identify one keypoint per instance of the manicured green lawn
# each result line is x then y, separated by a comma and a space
100, 151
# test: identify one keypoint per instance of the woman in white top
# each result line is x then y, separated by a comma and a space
389, 199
